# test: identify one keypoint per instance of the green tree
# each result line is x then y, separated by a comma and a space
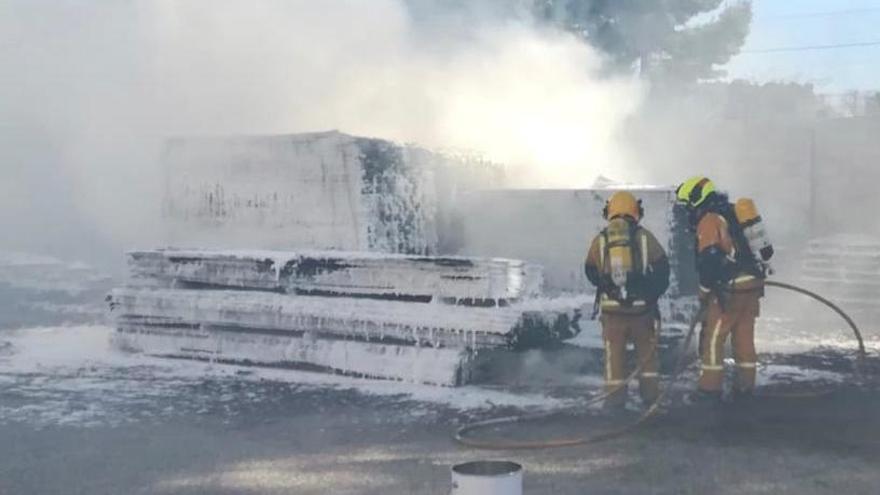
668, 40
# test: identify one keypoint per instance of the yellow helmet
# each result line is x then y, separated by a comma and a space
695, 191
623, 203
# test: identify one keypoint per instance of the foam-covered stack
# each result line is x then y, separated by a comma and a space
324, 190
475, 281
414, 318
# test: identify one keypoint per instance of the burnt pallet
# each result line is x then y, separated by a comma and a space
427, 365
454, 280
435, 325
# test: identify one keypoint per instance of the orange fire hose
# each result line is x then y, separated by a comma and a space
682, 362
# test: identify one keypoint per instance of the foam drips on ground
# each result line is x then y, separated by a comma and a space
53, 376
71, 375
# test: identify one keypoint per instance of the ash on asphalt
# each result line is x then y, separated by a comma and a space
118, 424
342, 441
237, 435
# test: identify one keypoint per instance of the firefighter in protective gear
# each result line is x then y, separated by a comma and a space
731, 283
630, 271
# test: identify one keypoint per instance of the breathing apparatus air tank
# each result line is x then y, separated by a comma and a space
619, 258
755, 232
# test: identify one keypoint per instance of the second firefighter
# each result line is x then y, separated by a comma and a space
733, 253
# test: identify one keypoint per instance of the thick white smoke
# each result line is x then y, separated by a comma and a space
100, 85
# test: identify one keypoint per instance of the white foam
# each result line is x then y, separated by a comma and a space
71, 375
12, 258
773, 374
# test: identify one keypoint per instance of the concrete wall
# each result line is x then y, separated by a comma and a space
773, 143
553, 227
847, 175
767, 161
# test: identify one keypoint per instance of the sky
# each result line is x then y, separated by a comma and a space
796, 23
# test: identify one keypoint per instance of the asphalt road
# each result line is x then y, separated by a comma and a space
313, 442
272, 437
76, 418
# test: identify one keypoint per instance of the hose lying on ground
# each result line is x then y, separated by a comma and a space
852, 325
460, 434
680, 366
861, 355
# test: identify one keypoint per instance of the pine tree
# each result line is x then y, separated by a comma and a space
667, 40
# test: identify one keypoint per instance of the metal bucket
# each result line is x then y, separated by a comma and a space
487, 478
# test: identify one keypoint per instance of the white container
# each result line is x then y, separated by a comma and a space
487, 478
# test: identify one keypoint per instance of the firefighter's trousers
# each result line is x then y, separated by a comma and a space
735, 318
642, 330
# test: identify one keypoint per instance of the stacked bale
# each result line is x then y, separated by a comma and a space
323, 190
414, 318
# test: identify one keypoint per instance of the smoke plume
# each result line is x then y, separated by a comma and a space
93, 88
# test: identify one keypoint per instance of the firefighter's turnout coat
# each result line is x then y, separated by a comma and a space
731, 286
634, 318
